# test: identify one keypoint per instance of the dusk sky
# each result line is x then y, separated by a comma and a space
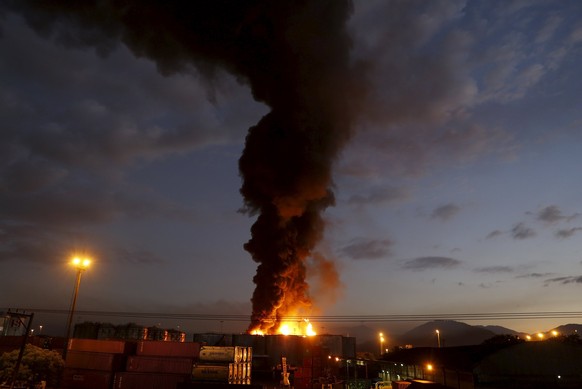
458, 190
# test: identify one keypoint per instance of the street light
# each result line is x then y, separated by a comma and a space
381, 342
80, 264
438, 338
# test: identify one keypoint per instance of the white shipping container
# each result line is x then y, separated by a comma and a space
221, 354
220, 373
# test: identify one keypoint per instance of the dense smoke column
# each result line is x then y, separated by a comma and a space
294, 54
286, 165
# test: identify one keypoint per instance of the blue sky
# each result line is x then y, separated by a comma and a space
457, 193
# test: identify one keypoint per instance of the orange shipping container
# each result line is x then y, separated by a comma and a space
86, 379
152, 364
95, 361
168, 349
131, 380
100, 346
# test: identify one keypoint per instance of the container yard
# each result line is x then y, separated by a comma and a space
135, 357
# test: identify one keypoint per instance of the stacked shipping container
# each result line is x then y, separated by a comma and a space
158, 365
119, 364
226, 364
91, 364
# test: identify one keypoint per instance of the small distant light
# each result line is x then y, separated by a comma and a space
429, 367
559, 377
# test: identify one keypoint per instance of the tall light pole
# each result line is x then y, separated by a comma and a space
381, 343
81, 264
438, 338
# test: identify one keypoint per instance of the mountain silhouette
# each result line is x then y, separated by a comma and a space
451, 333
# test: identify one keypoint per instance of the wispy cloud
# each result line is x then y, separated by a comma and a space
494, 234
361, 248
445, 212
495, 269
567, 233
534, 275
521, 231
565, 280
137, 257
552, 214
380, 196
423, 263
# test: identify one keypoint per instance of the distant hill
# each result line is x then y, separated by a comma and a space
499, 330
568, 329
451, 333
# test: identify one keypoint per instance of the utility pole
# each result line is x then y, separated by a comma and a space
20, 316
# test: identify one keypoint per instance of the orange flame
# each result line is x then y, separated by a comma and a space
290, 327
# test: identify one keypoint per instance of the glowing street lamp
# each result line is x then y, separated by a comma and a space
438, 333
381, 342
80, 264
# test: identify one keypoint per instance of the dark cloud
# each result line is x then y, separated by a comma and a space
361, 249
521, 231
136, 257
445, 212
534, 275
565, 280
35, 243
380, 196
552, 214
567, 233
424, 263
72, 129
495, 269
493, 234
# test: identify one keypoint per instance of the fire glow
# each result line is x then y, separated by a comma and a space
289, 327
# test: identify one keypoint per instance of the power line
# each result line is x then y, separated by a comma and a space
331, 318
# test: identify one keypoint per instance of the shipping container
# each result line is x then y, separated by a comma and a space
107, 331
214, 339
302, 383
133, 380
217, 385
243, 340
220, 373
131, 331
302, 372
168, 349
86, 379
11, 341
155, 364
95, 361
221, 354
101, 346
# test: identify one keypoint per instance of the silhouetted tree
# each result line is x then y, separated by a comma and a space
504, 339
37, 365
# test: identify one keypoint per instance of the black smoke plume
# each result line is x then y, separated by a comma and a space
294, 55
